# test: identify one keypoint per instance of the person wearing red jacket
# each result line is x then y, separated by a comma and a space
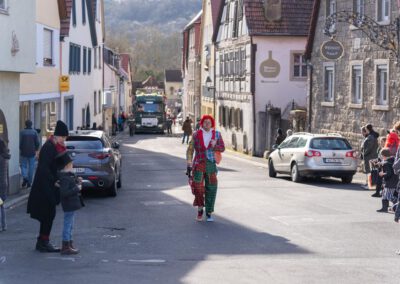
205, 143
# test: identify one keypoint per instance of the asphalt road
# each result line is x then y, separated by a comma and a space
266, 230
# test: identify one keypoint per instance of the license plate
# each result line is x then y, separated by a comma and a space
79, 170
330, 160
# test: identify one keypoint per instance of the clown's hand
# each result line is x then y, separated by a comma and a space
213, 143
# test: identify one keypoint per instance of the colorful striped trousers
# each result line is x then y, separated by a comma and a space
205, 185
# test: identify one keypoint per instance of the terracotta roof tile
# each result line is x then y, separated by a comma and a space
125, 59
295, 20
65, 23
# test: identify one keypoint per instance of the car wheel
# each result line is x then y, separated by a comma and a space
347, 179
112, 190
294, 173
271, 169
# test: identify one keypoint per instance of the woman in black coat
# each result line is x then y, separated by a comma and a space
45, 195
4, 180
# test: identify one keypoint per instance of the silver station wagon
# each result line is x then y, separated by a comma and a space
96, 159
314, 155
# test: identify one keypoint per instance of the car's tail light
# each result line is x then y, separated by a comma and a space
93, 178
351, 154
312, 153
99, 156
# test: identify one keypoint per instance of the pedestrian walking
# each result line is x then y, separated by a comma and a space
114, 124
29, 147
169, 125
204, 145
71, 201
369, 149
390, 179
4, 181
279, 137
187, 130
45, 195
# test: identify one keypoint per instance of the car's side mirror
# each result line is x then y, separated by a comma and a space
275, 146
115, 145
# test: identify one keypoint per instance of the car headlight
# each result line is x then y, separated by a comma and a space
160, 125
137, 125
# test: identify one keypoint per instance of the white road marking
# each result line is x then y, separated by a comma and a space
99, 251
134, 244
62, 258
155, 203
147, 260
3, 259
111, 236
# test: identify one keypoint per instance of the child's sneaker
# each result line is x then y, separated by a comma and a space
199, 217
209, 218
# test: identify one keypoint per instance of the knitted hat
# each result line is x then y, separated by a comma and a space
61, 129
206, 116
62, 160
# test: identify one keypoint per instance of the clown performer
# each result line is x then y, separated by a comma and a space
204, 143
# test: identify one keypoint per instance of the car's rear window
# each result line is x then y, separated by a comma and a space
330, 144
82, 142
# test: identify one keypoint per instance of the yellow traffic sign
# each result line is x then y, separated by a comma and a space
64, 83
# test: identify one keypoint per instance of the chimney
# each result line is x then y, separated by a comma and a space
273, 10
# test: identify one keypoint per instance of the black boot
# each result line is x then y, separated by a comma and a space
385, 206
46, 246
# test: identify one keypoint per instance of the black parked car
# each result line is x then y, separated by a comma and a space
96, 159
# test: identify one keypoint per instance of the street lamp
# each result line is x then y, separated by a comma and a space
385, 36
210, 86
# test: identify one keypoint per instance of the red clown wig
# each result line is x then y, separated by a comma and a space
206, 116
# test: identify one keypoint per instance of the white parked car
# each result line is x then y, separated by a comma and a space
314, 155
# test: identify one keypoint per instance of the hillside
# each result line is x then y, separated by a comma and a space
150, 31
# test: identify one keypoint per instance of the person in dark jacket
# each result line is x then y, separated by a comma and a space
390, 179
29, 147
369, 150
187, 130
4, 180
45, 195
70, 188
279, 137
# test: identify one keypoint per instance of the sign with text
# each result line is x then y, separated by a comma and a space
64, 83
332, 50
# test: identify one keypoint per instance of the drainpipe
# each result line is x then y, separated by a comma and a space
310, 86
215, 82
252, 90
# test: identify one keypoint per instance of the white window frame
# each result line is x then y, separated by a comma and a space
302, 76
330, 99
45, 63
359, 6
356, 91
331, 8
382, 92
384, 17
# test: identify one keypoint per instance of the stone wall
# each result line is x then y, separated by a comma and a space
342, 117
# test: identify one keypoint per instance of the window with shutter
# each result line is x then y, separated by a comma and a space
99, 101
84, 60
71, 57
100, 57
241, 120
47, 47
235, 21
237, 55
95, 102
83, 12
79, 59
73, 13
95, 57
89, 60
